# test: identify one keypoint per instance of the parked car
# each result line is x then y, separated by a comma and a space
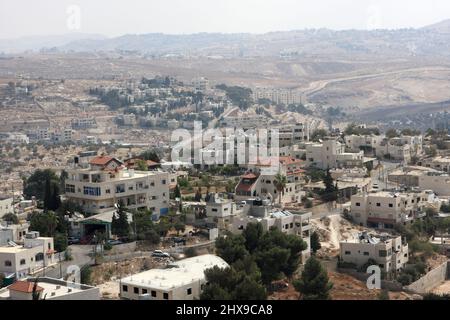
160, 254
114, 242
73, 240
179, 240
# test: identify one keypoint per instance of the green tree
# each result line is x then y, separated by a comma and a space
232, 284
330, 192
11, 218
391, 133
35, 184
120, 226
314, 283
177, 192
315, 242
45, 223
60, 240
318, 134
141, 165
231, 248
253, 234
280, 182
150, 155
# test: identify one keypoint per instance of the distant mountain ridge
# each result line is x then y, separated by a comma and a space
432, 40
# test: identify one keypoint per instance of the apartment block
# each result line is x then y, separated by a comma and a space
283, 220
105, 181
390, 253
385, 209
331, 154
260, 181
21, 261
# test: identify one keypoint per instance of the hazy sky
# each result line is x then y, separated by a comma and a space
117, 17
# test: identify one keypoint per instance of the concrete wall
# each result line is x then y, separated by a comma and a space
122, 248
430, 280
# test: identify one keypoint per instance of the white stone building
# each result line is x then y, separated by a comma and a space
105, 181
181, 280
390, 253
385, 209
21, 261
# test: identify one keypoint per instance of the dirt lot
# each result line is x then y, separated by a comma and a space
106, 275
332, 230
444, 288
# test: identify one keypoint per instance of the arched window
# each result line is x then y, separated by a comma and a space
22, 262
8, 263
39, 256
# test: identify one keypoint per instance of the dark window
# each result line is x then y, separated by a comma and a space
144, 291
189, 291
366, 253
347, 252
165, 296
136, 290
382, 253
391, 205
153, 293
125, 288
22, 262
358, 204
378, 204
8, 263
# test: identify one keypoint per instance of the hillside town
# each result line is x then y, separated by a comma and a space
104, 207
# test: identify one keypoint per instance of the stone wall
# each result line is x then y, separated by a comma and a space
429, 281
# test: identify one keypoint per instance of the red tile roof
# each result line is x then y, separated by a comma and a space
101, 160
289, 160
249, 176
24, 286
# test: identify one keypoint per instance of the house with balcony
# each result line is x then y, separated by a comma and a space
102, 183
385, 209
389, 252
19, 261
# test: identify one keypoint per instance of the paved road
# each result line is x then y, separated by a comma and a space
80, 257
380, 175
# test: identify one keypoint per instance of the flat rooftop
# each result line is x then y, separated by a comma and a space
177, 274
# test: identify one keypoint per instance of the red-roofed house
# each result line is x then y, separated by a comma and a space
23, 290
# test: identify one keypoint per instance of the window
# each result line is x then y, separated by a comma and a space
144, 291
382, 253
49, 246
153, 293
120, 188
8, 263
378, 204
391, 205
125, 288
189, 291
366, 253
214, 209
291, 225
70, 188
348, 252
136, 290
165, 296
108, 191
163, 181
92, 191
39, 256
358, 204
